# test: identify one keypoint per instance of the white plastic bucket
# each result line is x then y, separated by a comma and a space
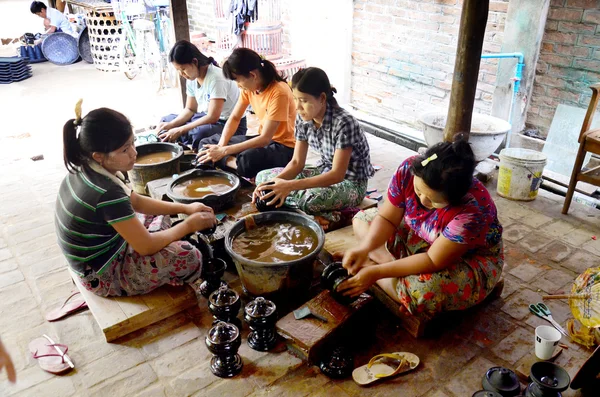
520, 173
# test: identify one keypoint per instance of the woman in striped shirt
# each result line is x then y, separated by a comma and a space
119, 243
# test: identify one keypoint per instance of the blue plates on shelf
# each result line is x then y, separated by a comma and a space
60, 48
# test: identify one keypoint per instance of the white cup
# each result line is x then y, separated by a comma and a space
546, 339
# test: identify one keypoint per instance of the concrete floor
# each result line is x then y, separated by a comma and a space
545, 251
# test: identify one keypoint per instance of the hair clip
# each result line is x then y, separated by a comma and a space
429, 159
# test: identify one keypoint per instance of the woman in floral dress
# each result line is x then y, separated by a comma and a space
436, 242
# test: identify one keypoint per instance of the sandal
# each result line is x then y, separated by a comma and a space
48, 353
385, 366
69, 307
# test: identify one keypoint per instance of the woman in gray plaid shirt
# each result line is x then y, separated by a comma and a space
339, 179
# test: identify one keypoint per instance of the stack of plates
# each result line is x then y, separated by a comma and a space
13, 69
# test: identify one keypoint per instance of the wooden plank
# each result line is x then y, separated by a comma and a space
367, 203
340, 240
308, 335
131, 305
118, 316
104, 311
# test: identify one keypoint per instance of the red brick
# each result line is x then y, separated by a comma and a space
589, 4
565, 14
539, 90
547, 47
597, 54
383, 19
451, 29
591, 16
451, 11
446, 2
582, 52
560, 37
448, 19
572, 97
587, 64
418, 16
557, 3
432, 8
556, 59
498, 6
589, 40
534, 110
374, 8
569, 73
570, 27
397, 12
541, 67
552, 25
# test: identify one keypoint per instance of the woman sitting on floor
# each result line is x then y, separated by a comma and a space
118, 242
436, 241
271, 99
340, 178
210, 98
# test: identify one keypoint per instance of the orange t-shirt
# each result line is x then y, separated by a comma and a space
275, 103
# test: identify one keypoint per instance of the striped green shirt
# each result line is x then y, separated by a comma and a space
87, 206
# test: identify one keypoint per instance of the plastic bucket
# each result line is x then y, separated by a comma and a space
520, 173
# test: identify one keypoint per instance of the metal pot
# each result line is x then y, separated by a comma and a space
216, 201
284, 278
141, 174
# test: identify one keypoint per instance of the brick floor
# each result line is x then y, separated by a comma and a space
544, 253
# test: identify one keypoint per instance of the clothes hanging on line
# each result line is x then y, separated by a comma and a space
243, 11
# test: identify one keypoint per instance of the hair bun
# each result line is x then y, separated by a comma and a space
333, 90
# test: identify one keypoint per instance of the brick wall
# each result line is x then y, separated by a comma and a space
569, 60
404, 53
201, 16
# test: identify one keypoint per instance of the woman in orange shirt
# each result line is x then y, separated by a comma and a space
272, 101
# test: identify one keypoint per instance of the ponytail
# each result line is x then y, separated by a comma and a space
101, 130
71, 150
314, 81
242, 61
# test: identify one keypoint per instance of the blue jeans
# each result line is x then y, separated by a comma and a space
193, 137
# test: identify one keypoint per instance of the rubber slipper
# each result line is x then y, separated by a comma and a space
52, 357
69, 307
385, 366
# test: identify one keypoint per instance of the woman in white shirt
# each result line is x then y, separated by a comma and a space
210, 98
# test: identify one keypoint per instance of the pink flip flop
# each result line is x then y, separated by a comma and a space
69, 307
51, 356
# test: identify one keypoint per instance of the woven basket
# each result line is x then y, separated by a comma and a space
105, 34
289, 66
60, 48
264, 40
83, 44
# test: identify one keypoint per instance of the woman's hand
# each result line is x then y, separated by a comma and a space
211, 153
172, 135
279, 190
197, 207
354, 259
201, 221
359, 283
162, 126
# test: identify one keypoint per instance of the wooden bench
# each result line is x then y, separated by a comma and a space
342, 240
118, 316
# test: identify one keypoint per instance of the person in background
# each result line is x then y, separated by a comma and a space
436, 242
54, 20
118, 242
339, 179
5, 361
210, 98
272, 101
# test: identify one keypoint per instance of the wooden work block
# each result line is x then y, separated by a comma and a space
118, 316
158, 188
367, 203
309, 335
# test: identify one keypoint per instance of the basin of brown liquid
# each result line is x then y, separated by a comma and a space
203, 186
154, 158
275, 242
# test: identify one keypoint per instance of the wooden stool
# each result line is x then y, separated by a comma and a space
118, 316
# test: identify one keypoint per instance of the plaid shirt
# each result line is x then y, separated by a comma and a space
340, 130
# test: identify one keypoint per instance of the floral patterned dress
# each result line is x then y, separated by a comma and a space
474, 222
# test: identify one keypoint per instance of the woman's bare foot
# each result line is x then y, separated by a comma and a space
381, 255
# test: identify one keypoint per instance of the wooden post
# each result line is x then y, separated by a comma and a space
182, 31
466, 68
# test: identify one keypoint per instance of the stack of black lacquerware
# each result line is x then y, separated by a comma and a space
14, 69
